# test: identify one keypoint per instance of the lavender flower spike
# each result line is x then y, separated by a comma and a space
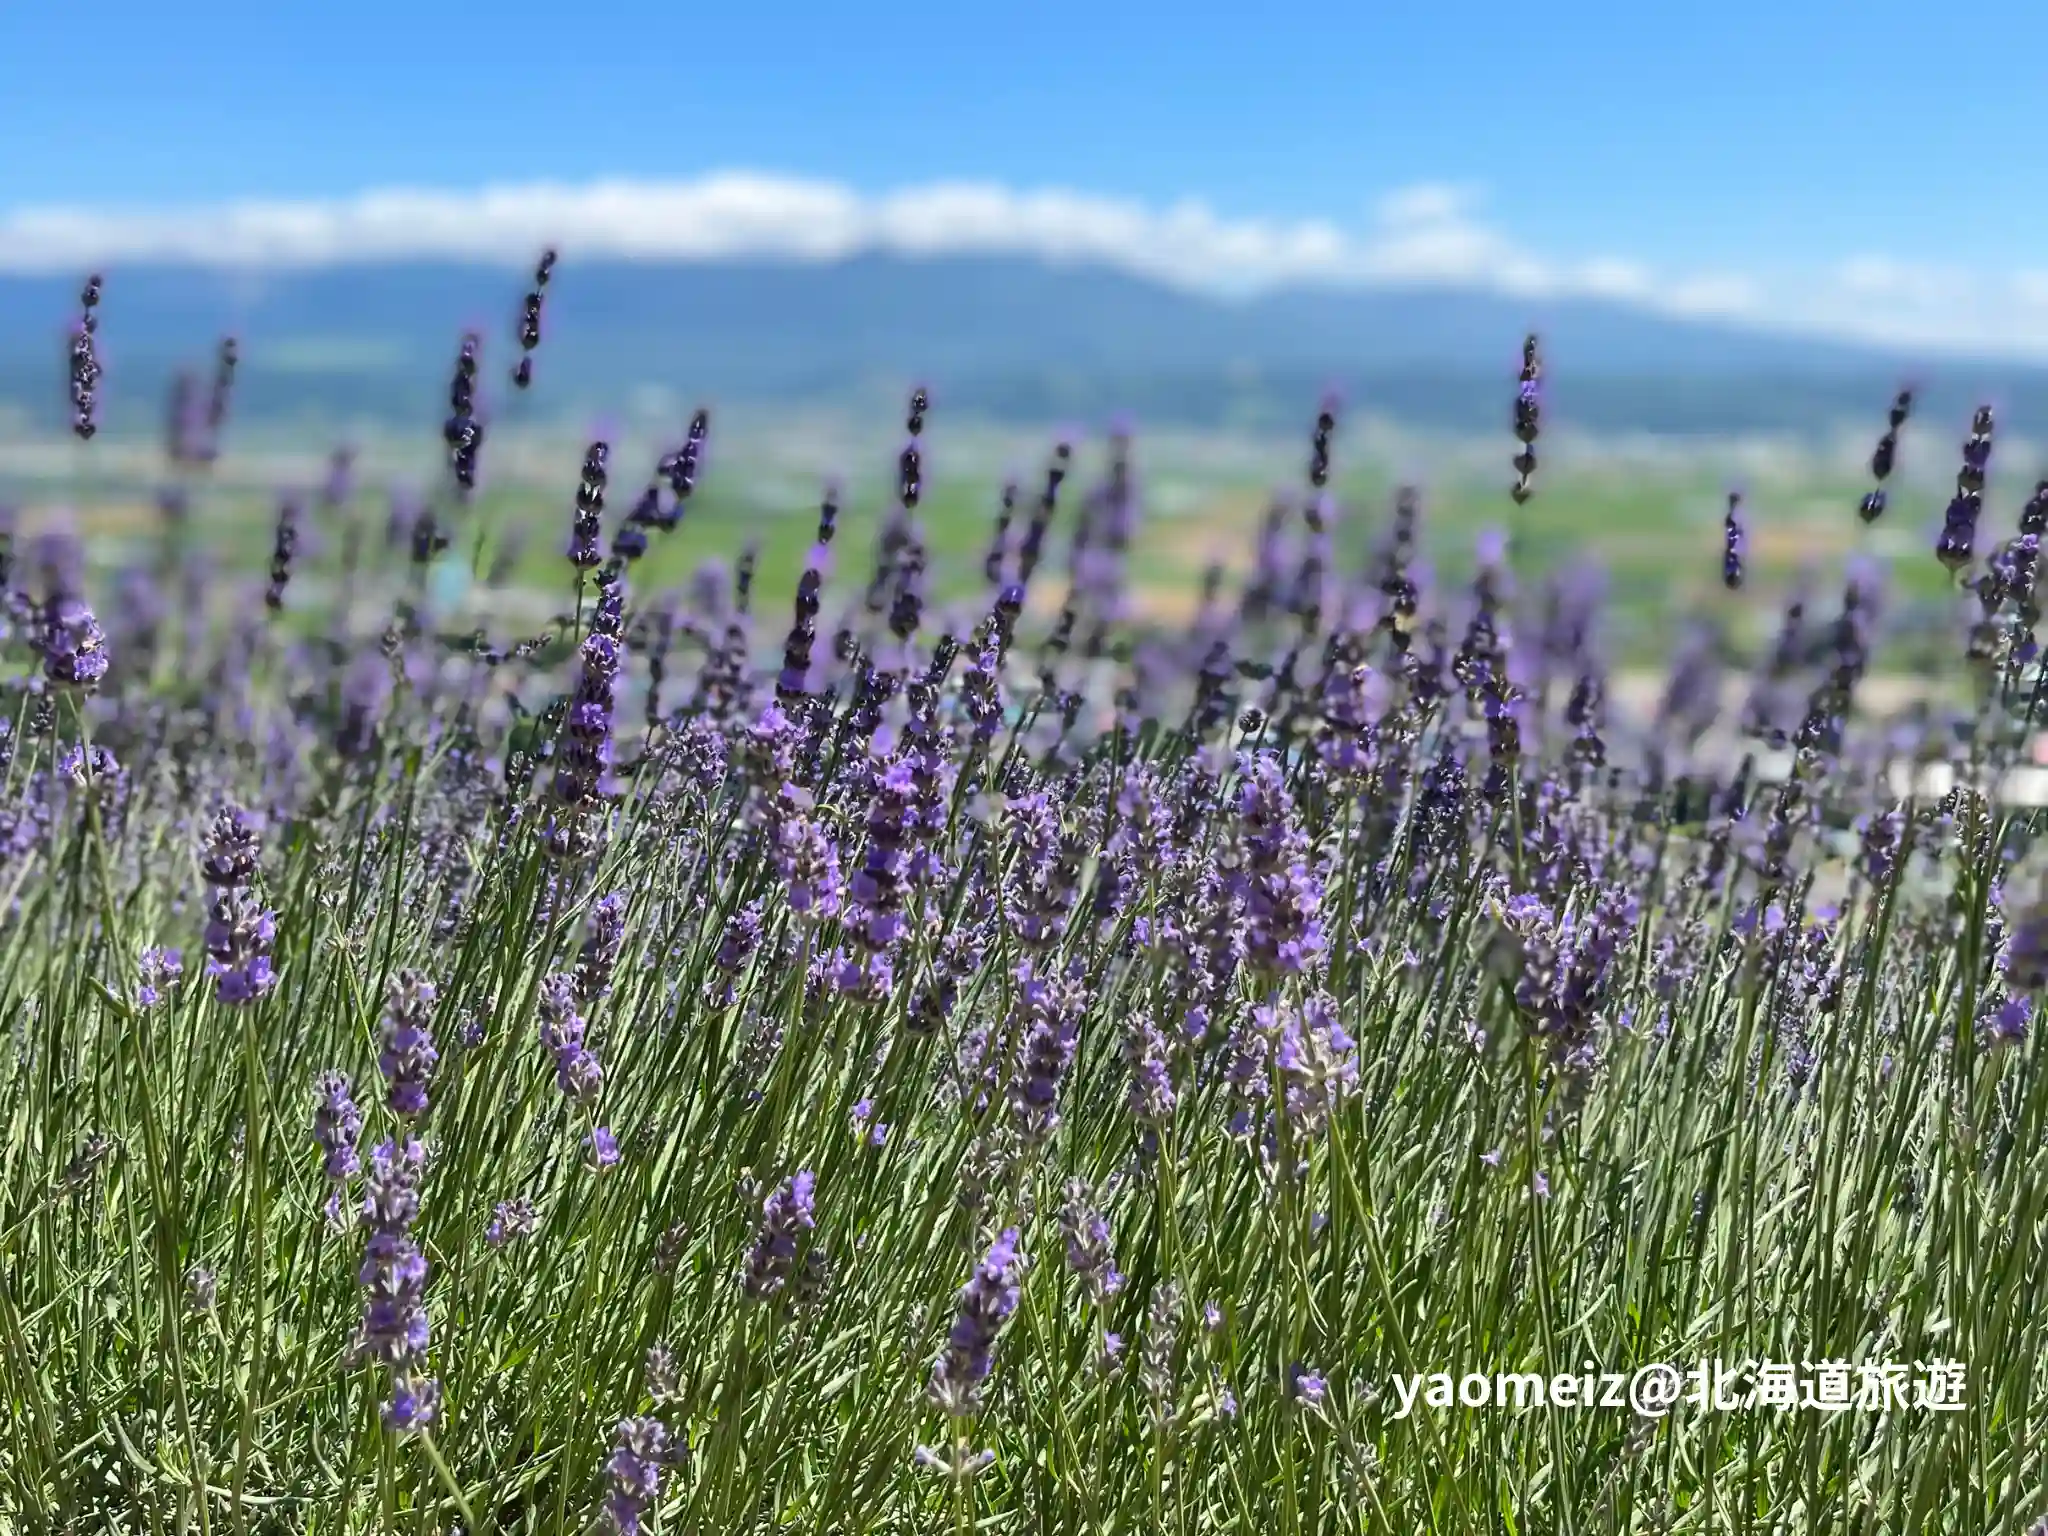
785, 1216
640, 1450
74, 646
577, 1072
408, 1058
985, 1305
395, 1329
1734, 541
337, 1126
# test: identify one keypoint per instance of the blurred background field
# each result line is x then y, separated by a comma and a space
1647, 516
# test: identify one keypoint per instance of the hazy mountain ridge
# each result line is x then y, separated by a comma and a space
1012, 338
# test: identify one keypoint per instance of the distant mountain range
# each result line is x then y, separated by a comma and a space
1010, 338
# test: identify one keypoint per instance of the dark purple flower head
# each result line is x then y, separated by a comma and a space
2008, 1022
1957, 545
463, 431
1881, 837
684, 465
583, 767
807, 862
160, 970
1528, 420
232, 849
585, 549
786, 1216
769, 750
395, 1330
1306, 1386
1885, 457
510, 1220
408, 1057
1048, 1019
283, 549
1088, 1243
641, 1451
984, 1308
239, 934
529, 320
608, 617
337, 1127
577, 1073
1317, 1062
74, 646
1734, 543
1270, 874
85, 363
415, 1403
604, 936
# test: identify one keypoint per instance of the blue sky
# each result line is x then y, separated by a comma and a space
1771, 141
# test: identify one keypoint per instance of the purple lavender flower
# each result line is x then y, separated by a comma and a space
1882, 836
85, 363
1151, 1097
239, 934
1271, 875
684, 465
874, 1132
585, 552
1087, 1236
640, 1451
395, 1331
604, 936
984, 1307
74, 646
232, 850
463, 431
1883, 459
1048, 1018
1957, 545
1317, 1061
786, 1216
2008, 1022
875, 918
1734, 541
737, 944
337, 1127
160, 969
794, 679
415, 1402
510, 1220
1306, 1386
806, 861
225, 362
529, 320
608, 617
408, 1058
768, 754
283, 549
577, 1073
583, 771
1528, 420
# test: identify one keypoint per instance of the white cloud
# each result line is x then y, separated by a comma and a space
1427, 233
1421, 233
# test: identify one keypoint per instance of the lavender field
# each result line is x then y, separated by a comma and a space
971, 1051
